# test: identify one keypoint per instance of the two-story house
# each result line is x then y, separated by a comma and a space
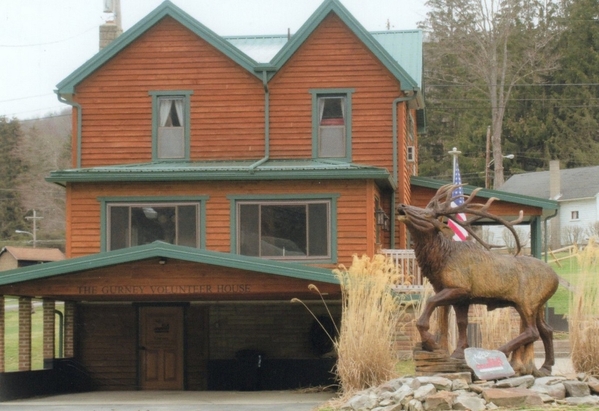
213, 179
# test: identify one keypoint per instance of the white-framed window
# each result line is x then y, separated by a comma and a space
171, 124
294, 230
410, 156
574, 215
132, 224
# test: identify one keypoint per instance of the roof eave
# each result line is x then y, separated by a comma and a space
76, 176
159, 249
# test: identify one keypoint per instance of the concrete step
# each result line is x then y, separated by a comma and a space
561, 348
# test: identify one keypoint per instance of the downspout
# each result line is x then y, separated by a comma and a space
263, 160
395, 161
78, 107
547, 233
60, 333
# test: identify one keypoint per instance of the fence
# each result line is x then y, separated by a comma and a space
405, 260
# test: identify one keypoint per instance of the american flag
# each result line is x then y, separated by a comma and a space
460, 233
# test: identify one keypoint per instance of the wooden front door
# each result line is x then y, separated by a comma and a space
161, 348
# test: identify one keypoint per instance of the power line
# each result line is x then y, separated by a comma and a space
25, 98
520, 85
50, 42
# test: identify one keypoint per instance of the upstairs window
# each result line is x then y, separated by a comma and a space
574, 215
331, 124
171, 125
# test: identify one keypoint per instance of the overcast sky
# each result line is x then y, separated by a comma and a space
43, 41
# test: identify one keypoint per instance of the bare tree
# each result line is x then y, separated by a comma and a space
489, 46
510, 241
593, 229
572, 234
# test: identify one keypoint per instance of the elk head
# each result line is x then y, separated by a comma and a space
442, 207
422, 220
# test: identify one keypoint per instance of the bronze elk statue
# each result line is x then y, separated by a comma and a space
467, 272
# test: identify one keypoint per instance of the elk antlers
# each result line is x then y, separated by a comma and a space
443, 205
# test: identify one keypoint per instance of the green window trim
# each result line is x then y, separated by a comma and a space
257, 198
105, 201
184, 95
346, 93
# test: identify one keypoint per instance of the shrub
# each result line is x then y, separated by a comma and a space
583, 315
371, 313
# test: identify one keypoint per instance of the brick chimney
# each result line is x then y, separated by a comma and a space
555, 192
110, 30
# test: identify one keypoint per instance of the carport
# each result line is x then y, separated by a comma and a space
167, 317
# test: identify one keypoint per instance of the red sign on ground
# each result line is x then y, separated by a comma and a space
488, 364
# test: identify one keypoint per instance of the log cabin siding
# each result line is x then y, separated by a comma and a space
333, 57
227, 104
353, 236
106, 345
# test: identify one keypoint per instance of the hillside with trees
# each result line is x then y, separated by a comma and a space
33, 148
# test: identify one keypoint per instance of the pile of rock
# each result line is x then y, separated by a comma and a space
457, 392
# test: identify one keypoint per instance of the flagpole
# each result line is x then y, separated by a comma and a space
454, 153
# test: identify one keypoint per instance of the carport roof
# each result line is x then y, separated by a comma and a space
160, 249
548, 206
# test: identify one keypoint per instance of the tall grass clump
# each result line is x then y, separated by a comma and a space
497, 327
371, 312
583, 315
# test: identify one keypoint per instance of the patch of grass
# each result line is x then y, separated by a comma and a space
405, 367
568, 270
11, 336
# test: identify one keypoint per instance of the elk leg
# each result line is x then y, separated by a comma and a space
546, 333
461, 315
529, 334
447, 296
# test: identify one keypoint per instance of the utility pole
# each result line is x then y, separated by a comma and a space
34, 218
488, 157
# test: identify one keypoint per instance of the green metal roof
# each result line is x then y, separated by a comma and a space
400, 52
404, 46
546, 205
160, 249
225, 170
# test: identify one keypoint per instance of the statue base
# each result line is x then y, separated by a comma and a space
437, 362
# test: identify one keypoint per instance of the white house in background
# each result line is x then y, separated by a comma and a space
577, 193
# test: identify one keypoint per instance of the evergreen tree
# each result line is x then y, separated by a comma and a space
11, 213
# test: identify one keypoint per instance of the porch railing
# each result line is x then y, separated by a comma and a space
405, 261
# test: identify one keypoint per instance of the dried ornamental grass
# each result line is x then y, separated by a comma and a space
583, 315
370, 317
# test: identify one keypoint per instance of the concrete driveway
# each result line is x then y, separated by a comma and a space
174, 401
